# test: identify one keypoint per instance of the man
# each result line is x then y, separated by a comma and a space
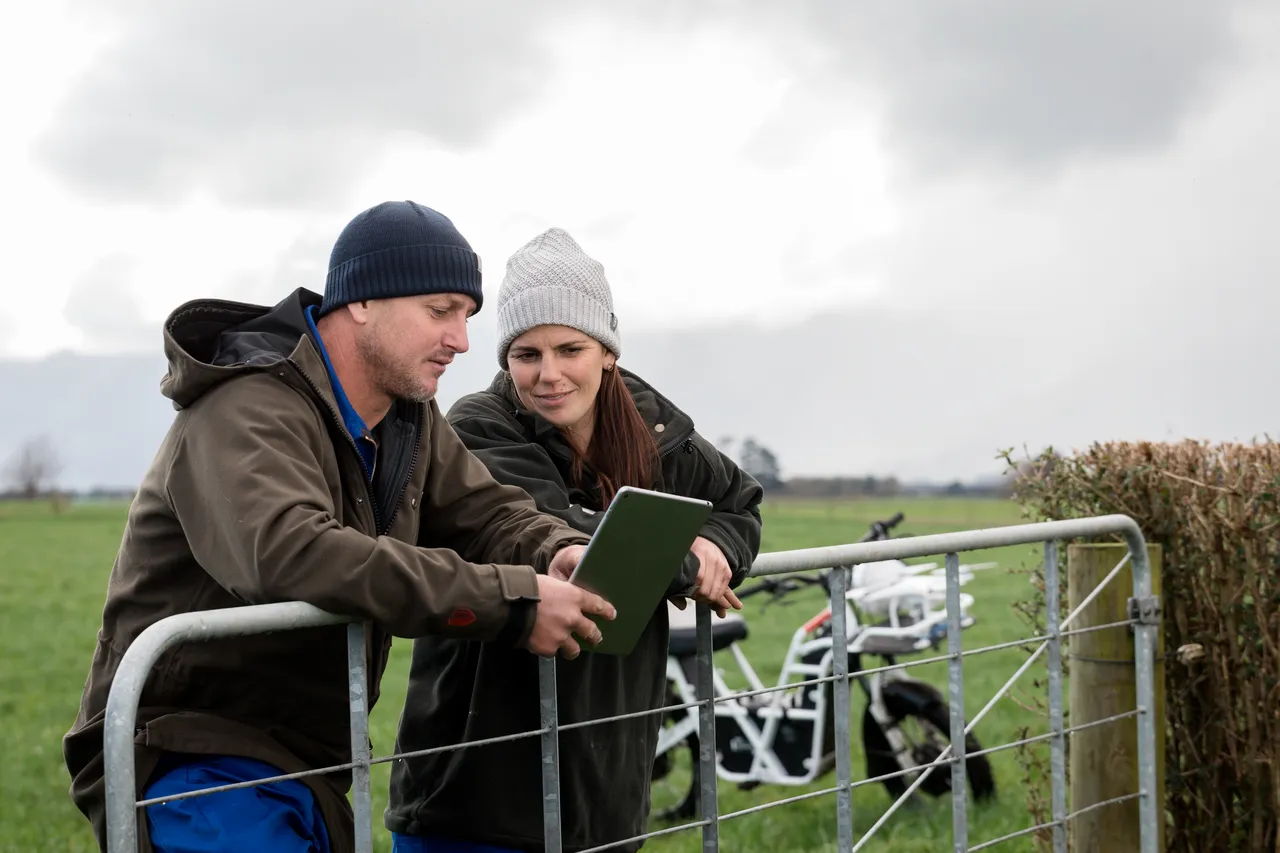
309, 461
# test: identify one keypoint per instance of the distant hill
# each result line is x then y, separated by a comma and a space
922, 395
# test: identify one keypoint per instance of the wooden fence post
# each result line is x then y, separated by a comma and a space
1103, 760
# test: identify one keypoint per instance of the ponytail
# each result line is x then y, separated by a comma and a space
622, 452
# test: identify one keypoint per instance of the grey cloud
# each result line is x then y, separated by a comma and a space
302, 264
1004, 84
1137, 303
103, 308
259, 105
272, 104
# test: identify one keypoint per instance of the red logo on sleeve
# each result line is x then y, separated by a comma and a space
461, 617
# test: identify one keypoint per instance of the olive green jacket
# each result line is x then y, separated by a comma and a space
257, 494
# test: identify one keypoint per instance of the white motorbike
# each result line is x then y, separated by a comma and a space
786, 736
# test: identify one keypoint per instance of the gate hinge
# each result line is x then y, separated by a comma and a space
1145, 611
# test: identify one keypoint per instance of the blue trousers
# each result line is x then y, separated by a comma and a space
430, 844
280, 816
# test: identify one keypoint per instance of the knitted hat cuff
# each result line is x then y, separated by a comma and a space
556, 305
404, 271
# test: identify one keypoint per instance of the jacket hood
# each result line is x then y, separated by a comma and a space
670, 424
208, 341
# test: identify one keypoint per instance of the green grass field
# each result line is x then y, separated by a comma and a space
53, 572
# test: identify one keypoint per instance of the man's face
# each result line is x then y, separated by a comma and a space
407, 342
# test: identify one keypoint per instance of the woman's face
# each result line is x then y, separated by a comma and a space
557, 372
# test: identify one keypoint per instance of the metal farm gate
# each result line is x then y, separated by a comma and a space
122, 705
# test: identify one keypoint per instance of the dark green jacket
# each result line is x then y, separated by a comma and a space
463, 690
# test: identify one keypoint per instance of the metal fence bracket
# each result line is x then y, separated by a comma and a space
1145, 610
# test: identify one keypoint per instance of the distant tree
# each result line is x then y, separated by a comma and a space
761, 463
34, 468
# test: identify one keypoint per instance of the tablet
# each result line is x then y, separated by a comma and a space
632, 558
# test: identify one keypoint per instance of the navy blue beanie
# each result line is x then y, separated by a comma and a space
400, 248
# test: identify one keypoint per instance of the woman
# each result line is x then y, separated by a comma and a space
563, 421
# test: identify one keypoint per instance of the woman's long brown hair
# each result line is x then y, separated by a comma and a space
622, 450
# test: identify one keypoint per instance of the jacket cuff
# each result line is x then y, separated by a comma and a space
517, 583
542, 560
715, 534
686, 580
519, 586
521, 617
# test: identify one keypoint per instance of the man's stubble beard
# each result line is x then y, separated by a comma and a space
389, 377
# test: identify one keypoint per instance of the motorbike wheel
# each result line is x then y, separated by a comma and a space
671, 798
917, 707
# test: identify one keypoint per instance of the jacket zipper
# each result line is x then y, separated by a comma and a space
373, 655
380, 526
351, 442
408, 474
682, 444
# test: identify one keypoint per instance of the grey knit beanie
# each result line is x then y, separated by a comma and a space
551, 281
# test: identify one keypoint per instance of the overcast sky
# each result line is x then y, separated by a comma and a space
1068, 179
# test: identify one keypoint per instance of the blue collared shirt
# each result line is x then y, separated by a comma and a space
350, 417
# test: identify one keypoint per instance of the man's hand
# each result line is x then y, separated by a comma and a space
562, 611
714, 574
565, 561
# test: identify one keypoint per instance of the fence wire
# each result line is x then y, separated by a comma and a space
122, 704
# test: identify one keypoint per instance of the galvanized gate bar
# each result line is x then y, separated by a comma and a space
1058, 743
707, 782
840, 669
121, 785
955, 698
357, 689
1144, 653
550, 713
810, 559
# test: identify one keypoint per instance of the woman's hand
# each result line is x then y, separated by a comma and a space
565, 561
714, 574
